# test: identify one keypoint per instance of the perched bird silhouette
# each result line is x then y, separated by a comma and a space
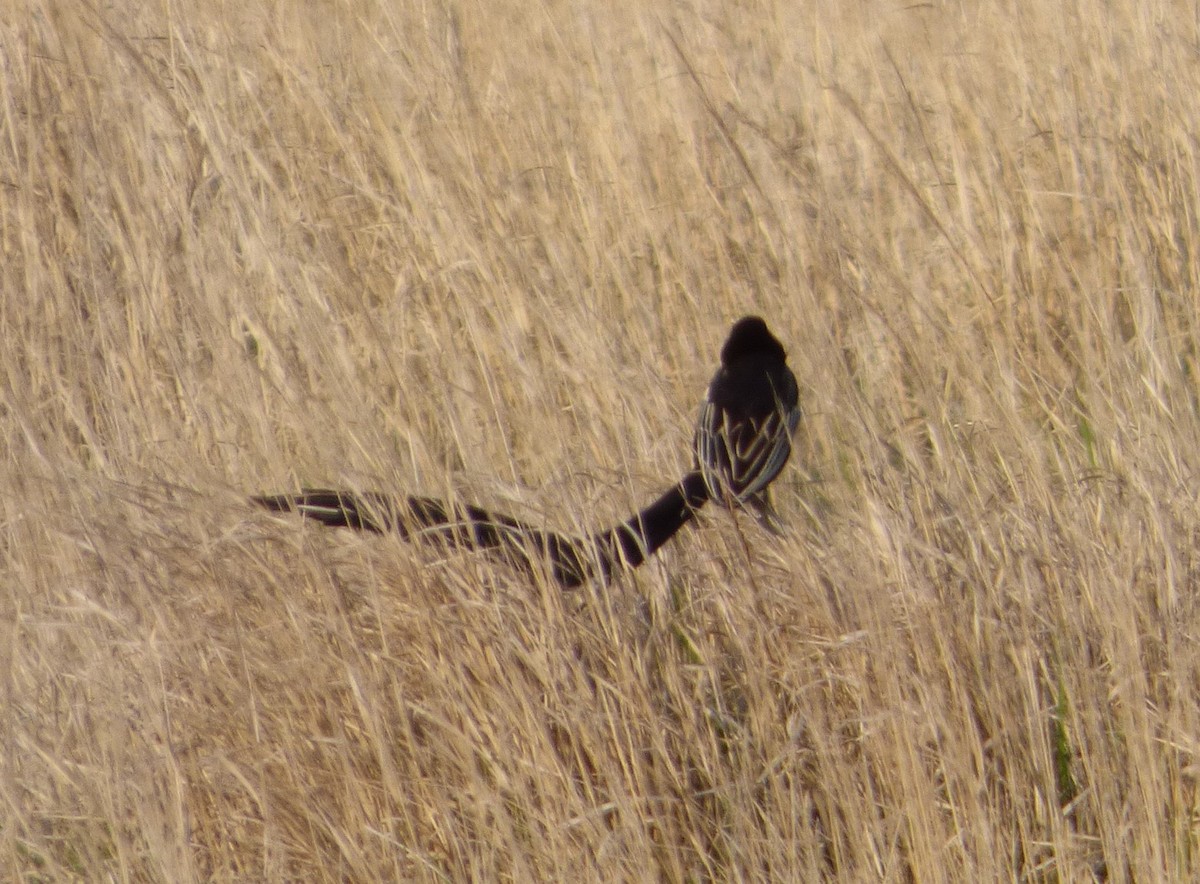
743, 439
744, 431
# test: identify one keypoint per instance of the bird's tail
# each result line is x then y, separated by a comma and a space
571, 560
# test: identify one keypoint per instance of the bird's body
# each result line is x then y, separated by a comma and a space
743, 439
744, 432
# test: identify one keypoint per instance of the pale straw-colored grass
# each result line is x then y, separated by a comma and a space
491, 251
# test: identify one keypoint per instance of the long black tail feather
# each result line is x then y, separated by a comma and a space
571, 560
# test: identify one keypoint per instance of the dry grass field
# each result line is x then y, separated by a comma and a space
490, 252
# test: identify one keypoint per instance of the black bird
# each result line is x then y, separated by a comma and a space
744, 432
743, 439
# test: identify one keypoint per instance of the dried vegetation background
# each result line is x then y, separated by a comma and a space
491, 250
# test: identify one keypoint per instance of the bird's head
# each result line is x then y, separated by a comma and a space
751, 337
